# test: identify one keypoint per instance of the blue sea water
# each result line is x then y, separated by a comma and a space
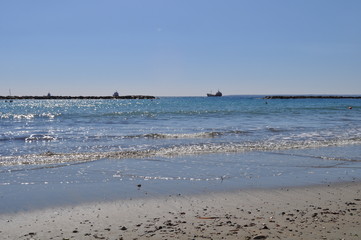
175, 144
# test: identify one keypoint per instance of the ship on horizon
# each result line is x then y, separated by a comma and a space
218, 94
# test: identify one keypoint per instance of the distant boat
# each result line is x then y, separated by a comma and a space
116, 94
218, 94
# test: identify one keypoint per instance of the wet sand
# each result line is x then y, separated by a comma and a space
315, 212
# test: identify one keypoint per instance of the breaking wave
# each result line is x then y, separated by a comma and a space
172, 151
185, 135
28, 116
39, 137
31, 138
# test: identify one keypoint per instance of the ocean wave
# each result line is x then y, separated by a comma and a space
211, 134
31, 138
27, 116
172, 151
49, 137
39, 137
177, 135
17, 116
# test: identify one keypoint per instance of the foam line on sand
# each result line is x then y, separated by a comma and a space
315, 212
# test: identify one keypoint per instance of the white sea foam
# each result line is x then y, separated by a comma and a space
172, 151
39, 137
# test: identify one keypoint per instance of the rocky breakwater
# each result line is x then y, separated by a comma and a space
310, 96
75, 97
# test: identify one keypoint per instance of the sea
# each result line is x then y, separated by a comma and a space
56, 152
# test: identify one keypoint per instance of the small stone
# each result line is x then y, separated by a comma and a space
265, 227
260, 237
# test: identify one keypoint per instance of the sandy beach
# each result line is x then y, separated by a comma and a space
318, 212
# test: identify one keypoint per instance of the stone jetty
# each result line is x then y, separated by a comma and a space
310, 96
75, 97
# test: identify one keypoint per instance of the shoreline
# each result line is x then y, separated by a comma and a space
28, 187
328, 211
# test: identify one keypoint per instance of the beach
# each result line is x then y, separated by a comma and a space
160, 120
318, 212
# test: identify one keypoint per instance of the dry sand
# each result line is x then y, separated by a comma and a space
317, 212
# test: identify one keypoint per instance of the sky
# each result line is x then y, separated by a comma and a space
180, 47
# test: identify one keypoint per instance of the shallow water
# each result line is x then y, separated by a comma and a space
25, 188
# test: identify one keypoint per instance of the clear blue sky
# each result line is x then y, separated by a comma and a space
180, 47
